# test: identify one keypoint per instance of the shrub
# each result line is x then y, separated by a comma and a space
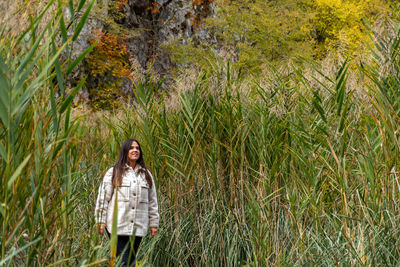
108, 65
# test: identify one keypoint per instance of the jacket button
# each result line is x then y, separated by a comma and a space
134, 194
131, 221
133, 208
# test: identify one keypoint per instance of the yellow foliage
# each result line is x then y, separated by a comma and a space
339, 23
259, 32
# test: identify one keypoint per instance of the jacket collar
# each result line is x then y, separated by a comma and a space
137, 168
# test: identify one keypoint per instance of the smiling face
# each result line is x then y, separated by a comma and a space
133, 153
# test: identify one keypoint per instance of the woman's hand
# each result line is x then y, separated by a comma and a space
100, 228
153, 231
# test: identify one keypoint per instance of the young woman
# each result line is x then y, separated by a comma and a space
133, 186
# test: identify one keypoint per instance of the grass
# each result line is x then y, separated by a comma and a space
292, 169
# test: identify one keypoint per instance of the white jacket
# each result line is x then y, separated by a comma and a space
137, 203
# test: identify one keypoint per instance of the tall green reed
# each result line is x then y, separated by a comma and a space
292, 171
38, 153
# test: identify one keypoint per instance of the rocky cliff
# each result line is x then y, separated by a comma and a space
144, 26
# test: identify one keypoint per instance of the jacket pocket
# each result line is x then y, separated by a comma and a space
123, 192
144, 194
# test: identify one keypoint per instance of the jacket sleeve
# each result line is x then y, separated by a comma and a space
103, 198
154, 217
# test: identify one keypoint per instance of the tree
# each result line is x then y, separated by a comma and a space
339, 24
260, 32
263, 31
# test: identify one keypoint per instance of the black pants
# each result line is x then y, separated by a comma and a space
127, 246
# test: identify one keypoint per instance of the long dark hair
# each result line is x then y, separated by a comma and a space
120, 167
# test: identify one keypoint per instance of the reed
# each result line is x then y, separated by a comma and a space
38, 150
291, 169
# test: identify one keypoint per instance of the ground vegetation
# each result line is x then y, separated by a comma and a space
296, 167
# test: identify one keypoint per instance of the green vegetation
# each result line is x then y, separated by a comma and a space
296, 168
257, 32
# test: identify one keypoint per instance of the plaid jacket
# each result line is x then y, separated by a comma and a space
137, 203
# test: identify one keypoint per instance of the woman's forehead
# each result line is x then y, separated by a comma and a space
134, 144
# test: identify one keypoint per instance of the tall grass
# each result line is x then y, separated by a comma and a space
291, 169
38, 139
294, 171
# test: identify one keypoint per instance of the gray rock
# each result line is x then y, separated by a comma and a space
152, 23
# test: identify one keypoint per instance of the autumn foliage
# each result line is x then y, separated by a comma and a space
256, 33
339, 23
120, 4
108, 65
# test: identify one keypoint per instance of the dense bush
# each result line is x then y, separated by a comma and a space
108, 65
256, 33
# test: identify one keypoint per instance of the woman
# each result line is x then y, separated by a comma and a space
133, 186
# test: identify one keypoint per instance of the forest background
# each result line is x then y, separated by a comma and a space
272, 128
